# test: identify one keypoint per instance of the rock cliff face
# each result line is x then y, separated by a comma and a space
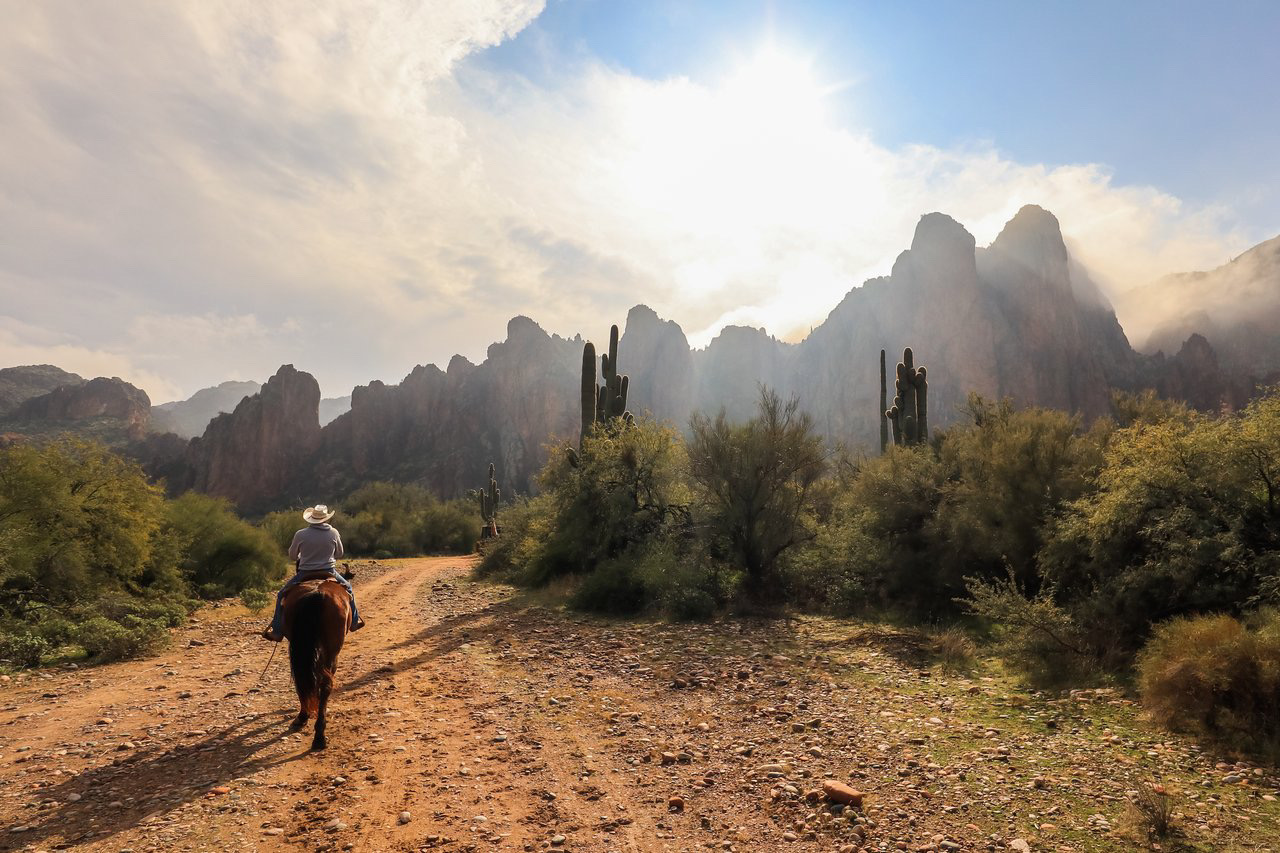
254, 453
108, 405
443, 428
19, 384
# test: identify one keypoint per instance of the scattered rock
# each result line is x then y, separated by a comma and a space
838, 792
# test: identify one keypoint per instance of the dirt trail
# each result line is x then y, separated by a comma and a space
499, 723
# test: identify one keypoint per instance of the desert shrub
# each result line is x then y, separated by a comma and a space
614, 587
1034, 633
1007, 474
256, 599
280, 527
1150, 813
1184, 520
755, 483
449, 527
108, 640
1216, 674
77, 521
22, 649
401, 520
221, 554
878, 549
661, 579
623, 489
525, 526
831, 573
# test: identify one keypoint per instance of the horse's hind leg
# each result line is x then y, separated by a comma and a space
324, 688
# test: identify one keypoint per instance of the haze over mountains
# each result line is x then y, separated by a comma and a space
1018, 318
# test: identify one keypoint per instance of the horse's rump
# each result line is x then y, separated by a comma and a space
316, 615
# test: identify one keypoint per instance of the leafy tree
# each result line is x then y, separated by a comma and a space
756, 480
78, 522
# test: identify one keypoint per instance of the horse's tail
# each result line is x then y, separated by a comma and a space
305, 648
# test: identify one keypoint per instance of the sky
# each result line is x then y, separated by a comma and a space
193, 192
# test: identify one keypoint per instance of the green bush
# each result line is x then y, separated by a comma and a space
655, 579
108, 640
1034, 634
755, 483
256, 599
614, 587
624, 489
525, 529
221, 555
387, 520
1183, 519
1218, 675
22, 650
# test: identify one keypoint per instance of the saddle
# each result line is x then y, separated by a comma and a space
315, 575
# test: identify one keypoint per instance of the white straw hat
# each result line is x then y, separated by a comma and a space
317, 514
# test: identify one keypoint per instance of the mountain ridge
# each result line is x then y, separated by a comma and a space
1019, 318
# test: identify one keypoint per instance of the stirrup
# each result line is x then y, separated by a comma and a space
357, 626
268, 634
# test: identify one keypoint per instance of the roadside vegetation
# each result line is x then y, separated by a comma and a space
1143, 550
95, 562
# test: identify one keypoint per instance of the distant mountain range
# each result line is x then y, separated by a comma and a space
1019, 318
1235, 307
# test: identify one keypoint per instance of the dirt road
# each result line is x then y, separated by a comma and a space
471, 718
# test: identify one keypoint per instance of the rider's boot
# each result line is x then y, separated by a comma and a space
271, 635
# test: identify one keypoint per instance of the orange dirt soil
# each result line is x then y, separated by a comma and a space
469, 717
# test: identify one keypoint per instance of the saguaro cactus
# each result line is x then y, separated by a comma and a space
588, 388
602, 403
488, 500
884, 408
909, 415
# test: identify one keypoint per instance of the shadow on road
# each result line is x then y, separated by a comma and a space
148, 782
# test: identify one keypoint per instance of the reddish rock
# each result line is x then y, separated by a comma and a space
255, 453
838, 792
101, 399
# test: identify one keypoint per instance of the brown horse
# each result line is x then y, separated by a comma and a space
317, 613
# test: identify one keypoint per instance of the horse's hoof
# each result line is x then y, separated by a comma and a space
317, 745
298, 723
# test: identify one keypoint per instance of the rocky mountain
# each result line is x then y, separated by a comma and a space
331, 407
108, 409
189, 418
19, 384
262, 447
1018, 318
1235, 307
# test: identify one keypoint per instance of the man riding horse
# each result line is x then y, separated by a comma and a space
315, 550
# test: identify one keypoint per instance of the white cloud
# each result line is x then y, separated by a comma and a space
196, 191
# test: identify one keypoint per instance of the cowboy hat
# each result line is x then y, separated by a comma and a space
317, 514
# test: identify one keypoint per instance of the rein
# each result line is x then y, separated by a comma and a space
269, 660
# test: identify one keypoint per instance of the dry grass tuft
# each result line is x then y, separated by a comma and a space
953, 648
